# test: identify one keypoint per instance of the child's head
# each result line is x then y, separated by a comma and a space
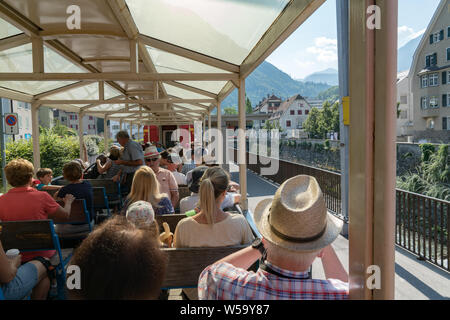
72, 171
114, 153
45, 175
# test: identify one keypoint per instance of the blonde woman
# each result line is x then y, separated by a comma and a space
212, 227
145, 187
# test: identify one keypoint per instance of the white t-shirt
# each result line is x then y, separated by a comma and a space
179, 177
234, 230
189, 203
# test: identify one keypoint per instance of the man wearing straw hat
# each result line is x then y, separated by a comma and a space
296, 228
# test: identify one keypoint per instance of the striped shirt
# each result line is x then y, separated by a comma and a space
223, 281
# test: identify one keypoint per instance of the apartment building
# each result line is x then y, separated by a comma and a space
71, 120
292, 113
430, 80
268, 105
405, 123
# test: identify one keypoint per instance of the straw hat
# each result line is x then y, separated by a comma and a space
140, 212
150, 152
296, 218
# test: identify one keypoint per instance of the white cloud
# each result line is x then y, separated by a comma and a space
325, 49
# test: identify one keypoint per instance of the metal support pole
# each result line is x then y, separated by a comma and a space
241, 145
221, 142
342, 14
106, 133
2, 147
83, 156
35, 133
131, 130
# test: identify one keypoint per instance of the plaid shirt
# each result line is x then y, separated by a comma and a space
223, 281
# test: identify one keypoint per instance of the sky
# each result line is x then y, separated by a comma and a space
313, 46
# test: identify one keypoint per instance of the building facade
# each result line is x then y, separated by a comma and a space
430, 80
405, 123
71, 120
268, 105
291, 114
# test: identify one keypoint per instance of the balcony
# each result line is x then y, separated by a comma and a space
430, 112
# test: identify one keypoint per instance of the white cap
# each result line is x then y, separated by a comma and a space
12, 253
140, 212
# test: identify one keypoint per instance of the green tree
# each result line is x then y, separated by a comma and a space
248, 106
311, 124
230, 110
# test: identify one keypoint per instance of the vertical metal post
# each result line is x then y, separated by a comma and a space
106, 132
131, 130
35, 133
2, 147
342, 14
241, 145
221, 142
80, 136
209, 126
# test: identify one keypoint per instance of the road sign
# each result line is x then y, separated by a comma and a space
11, 123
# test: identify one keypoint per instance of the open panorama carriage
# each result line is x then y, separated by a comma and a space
121, 60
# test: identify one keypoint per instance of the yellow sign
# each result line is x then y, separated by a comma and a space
346, 110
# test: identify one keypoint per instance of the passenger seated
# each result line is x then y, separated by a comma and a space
108, 260
212, 227
109, 169
145, 187
20, 281
141, 214
167, 182
80, 189
173, 162
45, 176
23, 202
191, 202
296, 228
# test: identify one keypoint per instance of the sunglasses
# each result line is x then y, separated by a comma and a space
151, 160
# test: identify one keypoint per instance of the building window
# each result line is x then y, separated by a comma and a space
423, 103
448, 54
430, 124
299, 112
292, 112
424, 80
403, 99
288, 123
91, 118
434, 103
446, 123
306, 112
431, 60
434, 80
76, 127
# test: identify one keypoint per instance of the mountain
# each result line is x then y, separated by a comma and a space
329, 94
328, 76
267, 79
406, 54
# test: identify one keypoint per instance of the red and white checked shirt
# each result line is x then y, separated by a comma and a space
223, 281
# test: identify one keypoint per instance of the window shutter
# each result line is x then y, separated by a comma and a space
434, 60
444, 100
444, 77
444, 123
431, 39
441, 35
448, 32
448, 54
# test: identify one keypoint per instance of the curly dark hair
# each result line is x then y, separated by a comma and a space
119, 260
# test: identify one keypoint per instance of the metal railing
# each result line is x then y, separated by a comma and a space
422, 224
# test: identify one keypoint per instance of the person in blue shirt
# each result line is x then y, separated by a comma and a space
45, 176
80, 189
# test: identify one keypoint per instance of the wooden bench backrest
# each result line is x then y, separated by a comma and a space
186, 264
99, 197
51, 192
183, 191
110, 186
171, 219
78, 213
27, 235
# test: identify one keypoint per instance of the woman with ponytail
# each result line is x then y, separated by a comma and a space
212, 227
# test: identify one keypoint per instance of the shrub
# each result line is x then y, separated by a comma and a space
427, 150
327, 144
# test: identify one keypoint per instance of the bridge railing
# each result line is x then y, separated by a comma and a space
422, 224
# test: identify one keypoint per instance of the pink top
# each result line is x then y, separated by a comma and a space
167, 182
26, 203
